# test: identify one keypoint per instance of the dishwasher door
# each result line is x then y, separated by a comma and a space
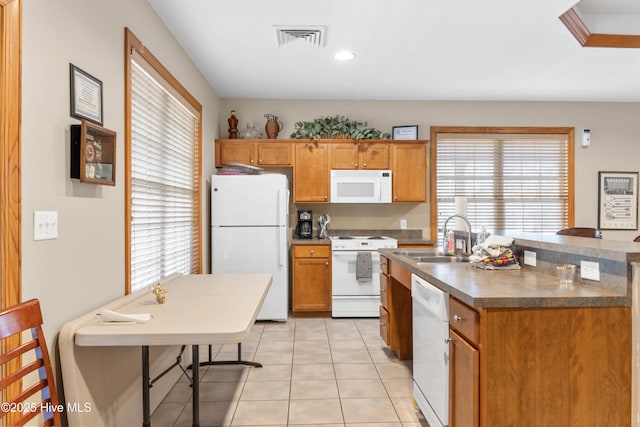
431, 351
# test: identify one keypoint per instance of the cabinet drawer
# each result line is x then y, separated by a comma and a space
464, 319
384, 325
384, 265
384, 284
312, 251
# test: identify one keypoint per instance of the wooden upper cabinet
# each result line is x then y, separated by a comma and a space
360, 155
274, 154
311, 173
252, 153
235, 152
409, 169
312, 162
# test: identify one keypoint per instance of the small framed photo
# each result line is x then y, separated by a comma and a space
405, 132
618, 200
86, 96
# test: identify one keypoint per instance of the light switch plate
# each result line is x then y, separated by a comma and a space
45, 225
530, 258
590, 270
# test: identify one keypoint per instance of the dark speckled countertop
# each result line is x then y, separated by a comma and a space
536, 286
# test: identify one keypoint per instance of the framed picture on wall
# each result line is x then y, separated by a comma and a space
86, 95
405, 132
618, 200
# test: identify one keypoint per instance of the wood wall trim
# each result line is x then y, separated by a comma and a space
433, 172
131, 44
576, 26
10, 173
10, 151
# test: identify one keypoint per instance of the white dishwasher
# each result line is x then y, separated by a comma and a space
431, 351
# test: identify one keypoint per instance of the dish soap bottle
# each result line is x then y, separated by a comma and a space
451, 242
482, 235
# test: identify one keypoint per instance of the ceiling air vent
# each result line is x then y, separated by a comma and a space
315, 35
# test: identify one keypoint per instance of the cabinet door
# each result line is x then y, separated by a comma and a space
311, 173
409, 166
344, 156
311, 284
274, 154
236, 152
374, 156
464, 383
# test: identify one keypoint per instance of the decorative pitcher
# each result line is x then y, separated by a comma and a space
273, 126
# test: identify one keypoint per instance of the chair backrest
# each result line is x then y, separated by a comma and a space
637, 239
581, 232
22, 363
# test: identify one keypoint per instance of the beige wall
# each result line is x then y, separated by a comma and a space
615, 132
84, 267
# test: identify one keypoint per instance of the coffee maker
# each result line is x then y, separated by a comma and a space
304, 227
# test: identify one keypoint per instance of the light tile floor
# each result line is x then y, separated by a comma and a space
330, 372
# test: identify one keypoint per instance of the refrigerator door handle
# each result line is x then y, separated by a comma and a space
278, 214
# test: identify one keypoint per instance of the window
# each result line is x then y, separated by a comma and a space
163, 172
514, 179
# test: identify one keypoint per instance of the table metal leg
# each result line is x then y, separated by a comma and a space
239, 361
195, 375
146, 407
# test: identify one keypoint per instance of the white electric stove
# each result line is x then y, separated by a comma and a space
356, 296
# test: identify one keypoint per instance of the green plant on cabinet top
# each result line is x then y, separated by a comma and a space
336, 127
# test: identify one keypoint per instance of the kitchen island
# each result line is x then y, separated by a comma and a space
525, 350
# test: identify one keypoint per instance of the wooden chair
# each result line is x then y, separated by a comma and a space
581, 232
21, 363
637, 239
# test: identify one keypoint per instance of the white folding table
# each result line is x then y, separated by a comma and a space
199, 310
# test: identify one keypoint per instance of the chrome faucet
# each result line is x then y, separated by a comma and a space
468, 248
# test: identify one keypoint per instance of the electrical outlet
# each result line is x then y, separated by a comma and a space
403, 224
530, 258
590, 270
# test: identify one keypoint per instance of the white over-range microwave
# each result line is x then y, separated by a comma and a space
360, 186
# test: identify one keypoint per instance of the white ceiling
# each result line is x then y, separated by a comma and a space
405, 50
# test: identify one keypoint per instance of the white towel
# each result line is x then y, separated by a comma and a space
493, 244
109, 316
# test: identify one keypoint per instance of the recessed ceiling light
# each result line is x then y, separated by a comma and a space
344, 55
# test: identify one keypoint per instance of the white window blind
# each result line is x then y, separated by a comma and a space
511, 182
164, 180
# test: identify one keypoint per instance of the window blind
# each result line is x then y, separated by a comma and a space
511, 182
164, 181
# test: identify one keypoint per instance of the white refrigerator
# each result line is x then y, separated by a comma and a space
249, 233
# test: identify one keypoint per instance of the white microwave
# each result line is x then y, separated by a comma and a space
360, 186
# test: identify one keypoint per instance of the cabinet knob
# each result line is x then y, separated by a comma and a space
364, 165
326, 197
312, 251
457, 318
448, 340
395, 197
260, 161
326, 263
355, 165
251, 161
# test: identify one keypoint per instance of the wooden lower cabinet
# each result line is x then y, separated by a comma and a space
552, 366
311, 289
396, 309
464, 381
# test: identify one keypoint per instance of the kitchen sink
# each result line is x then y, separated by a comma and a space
440, 259
425, 253
433, 256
